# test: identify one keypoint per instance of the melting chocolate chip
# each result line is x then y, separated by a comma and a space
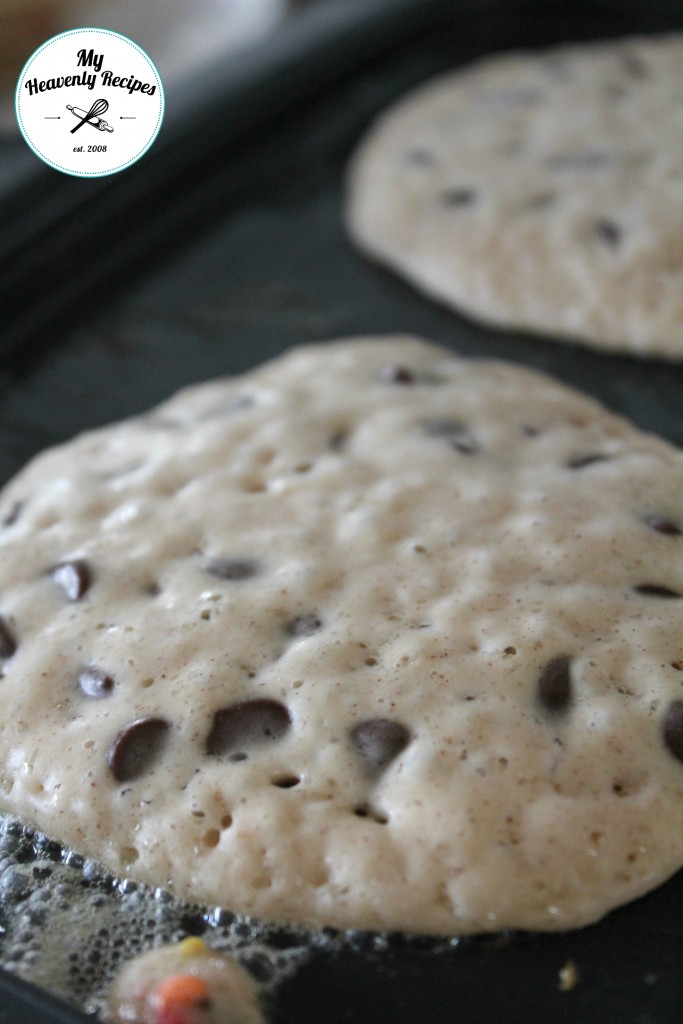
453, 431
95, 683
8, 644
74, 578
231, 568
662, 525
248, 723
555, 684
581, 461
137, 747
655, 590
458, 197
672, 729
12, 514
393, 374
304, 625
609, 232
377, 742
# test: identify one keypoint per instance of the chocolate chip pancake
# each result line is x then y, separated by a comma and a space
539, 191
370, 637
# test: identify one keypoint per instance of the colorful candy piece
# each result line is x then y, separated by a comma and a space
177, 994
184, 983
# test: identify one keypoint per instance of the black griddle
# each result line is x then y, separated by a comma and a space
220, 249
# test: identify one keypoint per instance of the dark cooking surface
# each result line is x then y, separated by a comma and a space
228, 262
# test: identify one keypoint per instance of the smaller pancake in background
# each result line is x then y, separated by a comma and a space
539, 191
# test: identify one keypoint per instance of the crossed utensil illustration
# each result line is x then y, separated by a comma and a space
92, 117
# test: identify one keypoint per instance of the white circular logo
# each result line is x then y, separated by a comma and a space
89, 102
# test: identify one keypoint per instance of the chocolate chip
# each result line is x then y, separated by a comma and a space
8, 644
304, 625
338, 440
672, 729
286, 781
458, 197
231, 568
393, 374
655, 590
95, 683
137, 747
662, 525
12, 514
555, 684
248, 723
465, 445
74, 578
378, 741
581, 461
453, 431
609, 232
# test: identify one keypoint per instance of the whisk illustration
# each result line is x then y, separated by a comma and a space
92, 116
